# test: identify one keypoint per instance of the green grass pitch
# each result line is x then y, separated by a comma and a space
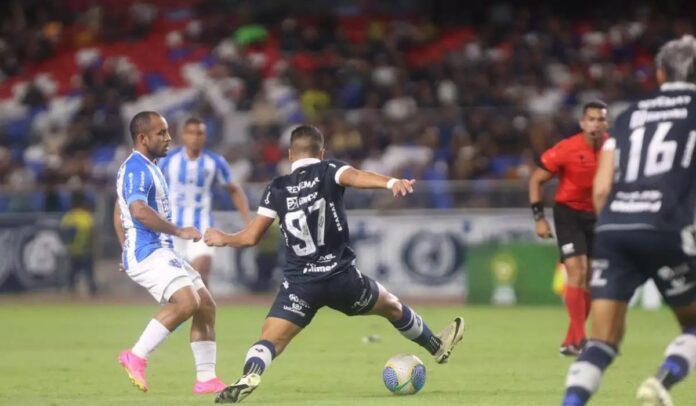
66, 355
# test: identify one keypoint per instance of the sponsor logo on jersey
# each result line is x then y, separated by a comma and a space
334, 213
295, 202
662, 102
312, 268
142, 181
639, 118
292, 203
637, 202
130, 182
302, 185
308, 198
326, 258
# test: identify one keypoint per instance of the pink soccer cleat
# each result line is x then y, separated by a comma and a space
214, 385
135, 368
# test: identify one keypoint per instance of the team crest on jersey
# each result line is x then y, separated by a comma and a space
292, 203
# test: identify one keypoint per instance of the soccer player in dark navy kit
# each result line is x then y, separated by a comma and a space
320, 269
574, 161
645, 191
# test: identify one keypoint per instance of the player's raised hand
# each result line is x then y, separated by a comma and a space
403, 187
214, 237
189, 233
543, 229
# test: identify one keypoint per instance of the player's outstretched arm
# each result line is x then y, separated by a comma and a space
604, 178
152, 220
240, 201
356, 178
538, 178
249, 236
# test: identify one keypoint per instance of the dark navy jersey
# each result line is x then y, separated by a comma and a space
655, 180
309, 205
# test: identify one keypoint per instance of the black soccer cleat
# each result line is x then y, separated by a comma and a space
239, 390
573, 350
570, 350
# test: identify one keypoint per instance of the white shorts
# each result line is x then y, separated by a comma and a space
163, 273
190, 250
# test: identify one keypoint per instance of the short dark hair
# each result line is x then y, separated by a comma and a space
193, 120
306, 140
594, 104
140, 122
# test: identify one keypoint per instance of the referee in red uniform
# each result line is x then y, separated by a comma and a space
574, 161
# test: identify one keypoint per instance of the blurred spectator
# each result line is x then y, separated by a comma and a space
404, 87
142, 15
34, 97
78, 226
314, 99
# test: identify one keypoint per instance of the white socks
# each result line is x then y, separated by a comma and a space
204, 354
155, 333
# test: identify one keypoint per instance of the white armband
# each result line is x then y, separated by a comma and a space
391, 183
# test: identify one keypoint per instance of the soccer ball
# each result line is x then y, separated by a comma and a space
404, 374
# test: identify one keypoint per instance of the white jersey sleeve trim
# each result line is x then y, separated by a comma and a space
609, 145
266, 212
339, 172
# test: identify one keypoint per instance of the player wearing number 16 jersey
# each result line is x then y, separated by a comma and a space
320, 269
646, 227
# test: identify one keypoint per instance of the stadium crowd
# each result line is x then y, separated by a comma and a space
418, 93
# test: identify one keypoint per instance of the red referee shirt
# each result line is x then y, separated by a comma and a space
575, 163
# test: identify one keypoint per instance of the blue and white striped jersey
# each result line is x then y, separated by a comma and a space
191, 183
140, 179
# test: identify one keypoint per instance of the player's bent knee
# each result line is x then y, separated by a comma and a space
188, 308
207, 303
387, 306
188, 304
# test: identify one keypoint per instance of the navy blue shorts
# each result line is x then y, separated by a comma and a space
624, 260
349, 292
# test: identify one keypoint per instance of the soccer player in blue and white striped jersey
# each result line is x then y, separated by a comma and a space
142, 220
191, 172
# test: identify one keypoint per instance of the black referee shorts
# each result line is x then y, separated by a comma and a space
574, 231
